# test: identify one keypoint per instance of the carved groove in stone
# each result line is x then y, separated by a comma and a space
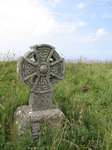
35, 126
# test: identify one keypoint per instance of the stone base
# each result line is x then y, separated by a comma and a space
24, 116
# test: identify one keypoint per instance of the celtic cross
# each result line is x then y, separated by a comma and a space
40, 69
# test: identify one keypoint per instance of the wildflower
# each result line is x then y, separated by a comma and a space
54, 142
67, 121
85, 88
82, 110
2, 106
70, 145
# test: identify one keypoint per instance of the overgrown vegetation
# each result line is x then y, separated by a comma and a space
85, 97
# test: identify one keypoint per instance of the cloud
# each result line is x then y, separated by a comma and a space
81, 5
100, 32
22, 19
52, 2
69, 28
56, 1
92, 37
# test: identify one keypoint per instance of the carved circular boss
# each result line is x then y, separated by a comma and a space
40, 68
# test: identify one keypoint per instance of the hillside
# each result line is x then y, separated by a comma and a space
85, 97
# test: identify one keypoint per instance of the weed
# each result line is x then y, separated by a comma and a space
85, 97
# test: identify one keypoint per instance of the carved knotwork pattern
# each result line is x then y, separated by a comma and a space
43, 85
43, 82
27, 69
43, 53
56, 68
52, 68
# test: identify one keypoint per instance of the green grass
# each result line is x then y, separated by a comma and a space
89, 112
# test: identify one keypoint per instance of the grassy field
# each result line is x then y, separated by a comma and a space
85, 97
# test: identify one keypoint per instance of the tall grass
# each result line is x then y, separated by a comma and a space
88, 123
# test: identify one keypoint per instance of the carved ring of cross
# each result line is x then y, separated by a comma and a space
41, 68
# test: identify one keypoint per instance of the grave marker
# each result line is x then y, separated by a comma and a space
40, 69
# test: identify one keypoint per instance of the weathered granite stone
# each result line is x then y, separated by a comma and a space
23, 115
21, 119
40, 69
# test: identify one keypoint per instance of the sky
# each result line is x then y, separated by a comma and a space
76, 28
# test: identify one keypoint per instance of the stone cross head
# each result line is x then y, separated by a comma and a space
40, 69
